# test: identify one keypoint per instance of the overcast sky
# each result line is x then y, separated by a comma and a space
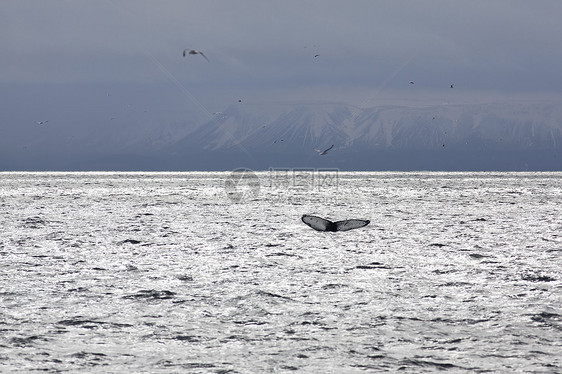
88, 60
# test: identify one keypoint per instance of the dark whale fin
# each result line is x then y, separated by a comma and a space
350, 224
318, 224
321, 224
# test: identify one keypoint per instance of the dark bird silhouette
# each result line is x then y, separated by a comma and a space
322, 153
42, 122
194, 52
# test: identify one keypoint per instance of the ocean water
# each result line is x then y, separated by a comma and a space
215, 272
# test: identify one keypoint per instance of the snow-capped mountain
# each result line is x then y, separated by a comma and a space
513, 126
467, 133
492, 136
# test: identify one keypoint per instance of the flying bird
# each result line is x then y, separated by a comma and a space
194, 52
41, 122
452, 85
411, 82
322, 153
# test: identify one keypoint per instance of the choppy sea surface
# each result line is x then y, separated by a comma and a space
215, 273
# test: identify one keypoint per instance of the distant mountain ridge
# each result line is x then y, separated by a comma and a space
522, 135
512, 136
513, 126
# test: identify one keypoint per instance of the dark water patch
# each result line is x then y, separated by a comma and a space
187, 338
272, 295
462, 321
279, 254
195, 365
25, 341
238, 338
7, 294
80, 322
317, 323
151, 295
185, 278
78, 289
34, 222
478, 255
90, 358
376, 321
547, 315
412, 362
130, 241
537, 277
448, 271
453, 341
367, 368
540, 353
373, 265
88, 355
288, 367
250, 322
455, 284
331, 286
547, 319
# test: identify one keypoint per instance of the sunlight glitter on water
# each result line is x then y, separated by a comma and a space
163, 272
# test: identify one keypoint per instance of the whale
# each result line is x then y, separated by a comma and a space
322, 224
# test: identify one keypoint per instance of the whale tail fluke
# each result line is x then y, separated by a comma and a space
321, 224
350, 224
317, 223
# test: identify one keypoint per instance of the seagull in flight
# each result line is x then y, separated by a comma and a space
194, 52
322, 153
41, 122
